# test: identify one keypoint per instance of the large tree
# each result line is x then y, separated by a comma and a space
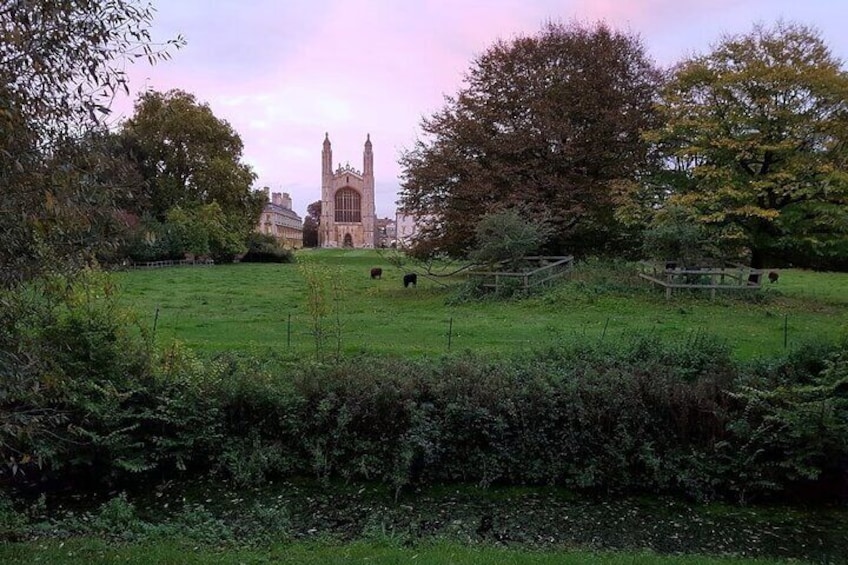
756, 133
61, 61
552, 123
189, 158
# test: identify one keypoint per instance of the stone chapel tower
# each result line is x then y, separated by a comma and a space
347, 201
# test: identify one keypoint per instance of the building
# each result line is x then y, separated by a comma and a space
406, 229
384, 232
347, 201
279, 220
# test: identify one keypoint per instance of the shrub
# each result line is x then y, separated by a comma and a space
638, 416
263, 248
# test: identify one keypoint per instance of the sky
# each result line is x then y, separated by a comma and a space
285, 72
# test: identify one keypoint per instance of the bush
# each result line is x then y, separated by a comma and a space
86, 396
263, 248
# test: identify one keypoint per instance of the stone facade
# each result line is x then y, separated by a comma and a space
279, 220
347, 201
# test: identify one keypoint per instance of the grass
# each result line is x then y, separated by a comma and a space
305, 521
93, 551
264, 306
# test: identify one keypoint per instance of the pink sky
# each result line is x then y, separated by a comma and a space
283, 72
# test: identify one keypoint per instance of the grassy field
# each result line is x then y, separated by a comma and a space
265, 306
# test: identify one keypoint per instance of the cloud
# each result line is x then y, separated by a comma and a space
284, 72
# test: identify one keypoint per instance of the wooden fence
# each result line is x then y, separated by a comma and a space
171, 263
728, 277
549, 269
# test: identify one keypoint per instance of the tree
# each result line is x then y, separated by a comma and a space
311, 223
551, 122
756, 134
189, 158
507, 236
60, 63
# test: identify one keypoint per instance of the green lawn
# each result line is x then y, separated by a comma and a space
91, 552
264, 306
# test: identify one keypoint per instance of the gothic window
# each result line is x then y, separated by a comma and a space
348, 208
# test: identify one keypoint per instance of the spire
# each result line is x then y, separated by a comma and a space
327, 156
368, 157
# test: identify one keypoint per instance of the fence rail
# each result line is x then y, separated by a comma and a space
171, 263
729, 277
550, 268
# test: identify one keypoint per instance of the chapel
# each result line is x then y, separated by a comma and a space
347, 201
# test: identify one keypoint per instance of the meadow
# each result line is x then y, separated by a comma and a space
261, 307
457, 449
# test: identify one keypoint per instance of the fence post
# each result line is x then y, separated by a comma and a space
785, 330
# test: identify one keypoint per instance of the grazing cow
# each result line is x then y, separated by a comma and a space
410, 279
376, 273
773, 276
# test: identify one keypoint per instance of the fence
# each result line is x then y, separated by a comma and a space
728, 277
171, 263
550, 268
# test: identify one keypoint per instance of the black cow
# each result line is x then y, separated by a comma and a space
410, 279
376, 273
773, 276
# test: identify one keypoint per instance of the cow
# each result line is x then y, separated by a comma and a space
410, 279
773, 276
376, 273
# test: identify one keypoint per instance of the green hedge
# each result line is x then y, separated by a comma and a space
86, 395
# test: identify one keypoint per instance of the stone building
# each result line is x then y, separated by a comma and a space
279, 220
347, 201
407, 228
384, 232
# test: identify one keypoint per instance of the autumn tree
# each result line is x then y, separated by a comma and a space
552, 123
189, 158
61, 62
311, 223
756, 133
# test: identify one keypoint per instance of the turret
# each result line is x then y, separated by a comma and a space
368, 157
327, 156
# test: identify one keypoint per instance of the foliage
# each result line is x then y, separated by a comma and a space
552, 122
264, 248
191, 160
311, 223
792, 429
70, 355
755, 131
151, 240
86, 397
197, 231
507, 237
63, 60
60, 64
676, 235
